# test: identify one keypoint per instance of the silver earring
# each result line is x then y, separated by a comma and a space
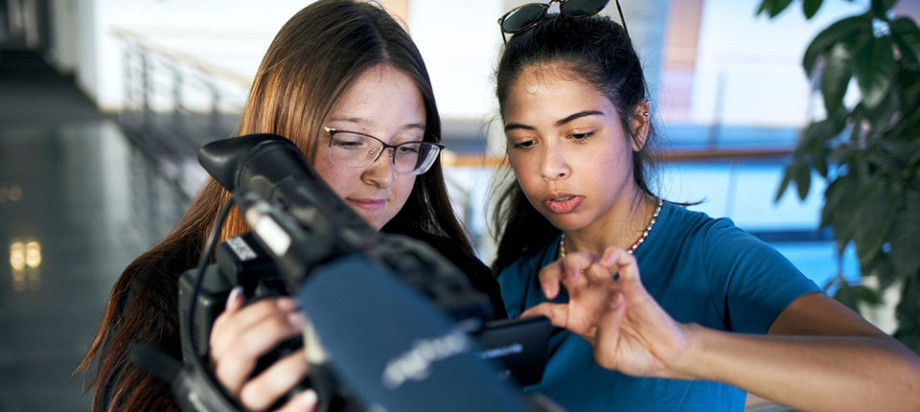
645, 113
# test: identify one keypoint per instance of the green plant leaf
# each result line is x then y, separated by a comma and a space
907, 313
882, 269
835, 33
802, 181
832, 196
909, 87
908, 129
814, 145
885, 114
880, 8
821, 164
877, 207
840, 212
764, 7
784, 184
836, 77
868, 295
913, 153
837, 122
847, 296
875, 69
773, 7
905, 244
905, 33
810, 7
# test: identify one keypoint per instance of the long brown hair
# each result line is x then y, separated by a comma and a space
599, 51
310, 63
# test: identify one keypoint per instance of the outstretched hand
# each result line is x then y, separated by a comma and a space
609, 307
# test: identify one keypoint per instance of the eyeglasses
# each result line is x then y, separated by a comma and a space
525, 17
357, 150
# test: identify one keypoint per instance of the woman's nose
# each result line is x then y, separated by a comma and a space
554, 164
380, 173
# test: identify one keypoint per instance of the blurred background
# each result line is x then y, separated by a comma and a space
104, 103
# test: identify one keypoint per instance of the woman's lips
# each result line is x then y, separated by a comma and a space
369, 204
562, 204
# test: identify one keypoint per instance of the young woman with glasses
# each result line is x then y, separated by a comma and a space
665, 308
347, 85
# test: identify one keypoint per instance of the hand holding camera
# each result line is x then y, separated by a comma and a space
257, 353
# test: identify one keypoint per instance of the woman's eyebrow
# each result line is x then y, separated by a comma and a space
362, 122
512, 126
414, 126
578, 115
569, 118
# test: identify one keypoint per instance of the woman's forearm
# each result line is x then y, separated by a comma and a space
808, 372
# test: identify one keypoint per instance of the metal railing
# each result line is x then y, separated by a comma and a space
173, 103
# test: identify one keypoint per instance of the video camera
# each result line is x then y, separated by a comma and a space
392, 325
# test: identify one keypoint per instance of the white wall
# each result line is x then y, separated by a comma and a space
759, 61
459, 41
98, 53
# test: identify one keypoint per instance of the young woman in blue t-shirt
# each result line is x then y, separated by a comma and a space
666, 309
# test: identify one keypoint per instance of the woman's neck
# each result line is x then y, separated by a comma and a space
622, 226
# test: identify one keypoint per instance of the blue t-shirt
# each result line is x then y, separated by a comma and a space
701, 270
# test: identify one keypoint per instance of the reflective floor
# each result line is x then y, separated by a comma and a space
71, 219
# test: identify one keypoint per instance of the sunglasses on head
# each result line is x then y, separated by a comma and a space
525, 17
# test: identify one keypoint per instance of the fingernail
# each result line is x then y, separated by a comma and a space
286, 304
297, 319
571, 273
235, 294
308, 398
607, 259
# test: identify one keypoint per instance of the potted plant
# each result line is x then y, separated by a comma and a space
868, 152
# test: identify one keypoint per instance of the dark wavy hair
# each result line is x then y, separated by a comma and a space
315, 56
596, 50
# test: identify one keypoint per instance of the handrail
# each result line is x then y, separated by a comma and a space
183, 58
190, 33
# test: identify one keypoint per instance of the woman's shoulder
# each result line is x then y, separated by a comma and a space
698, 227
142, 307
695, 236
523, 269
718, 242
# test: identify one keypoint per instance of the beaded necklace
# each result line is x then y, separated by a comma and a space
635, 245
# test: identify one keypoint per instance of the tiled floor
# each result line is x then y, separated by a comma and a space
77, 203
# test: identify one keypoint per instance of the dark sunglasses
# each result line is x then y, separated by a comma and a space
525, 17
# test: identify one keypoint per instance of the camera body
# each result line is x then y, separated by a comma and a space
389, 317
518, 347
240, 261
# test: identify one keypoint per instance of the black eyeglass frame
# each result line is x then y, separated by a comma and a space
546, 6
332, 132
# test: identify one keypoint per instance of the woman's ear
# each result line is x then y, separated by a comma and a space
640, 125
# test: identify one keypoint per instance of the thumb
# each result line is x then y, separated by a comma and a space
235, 300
